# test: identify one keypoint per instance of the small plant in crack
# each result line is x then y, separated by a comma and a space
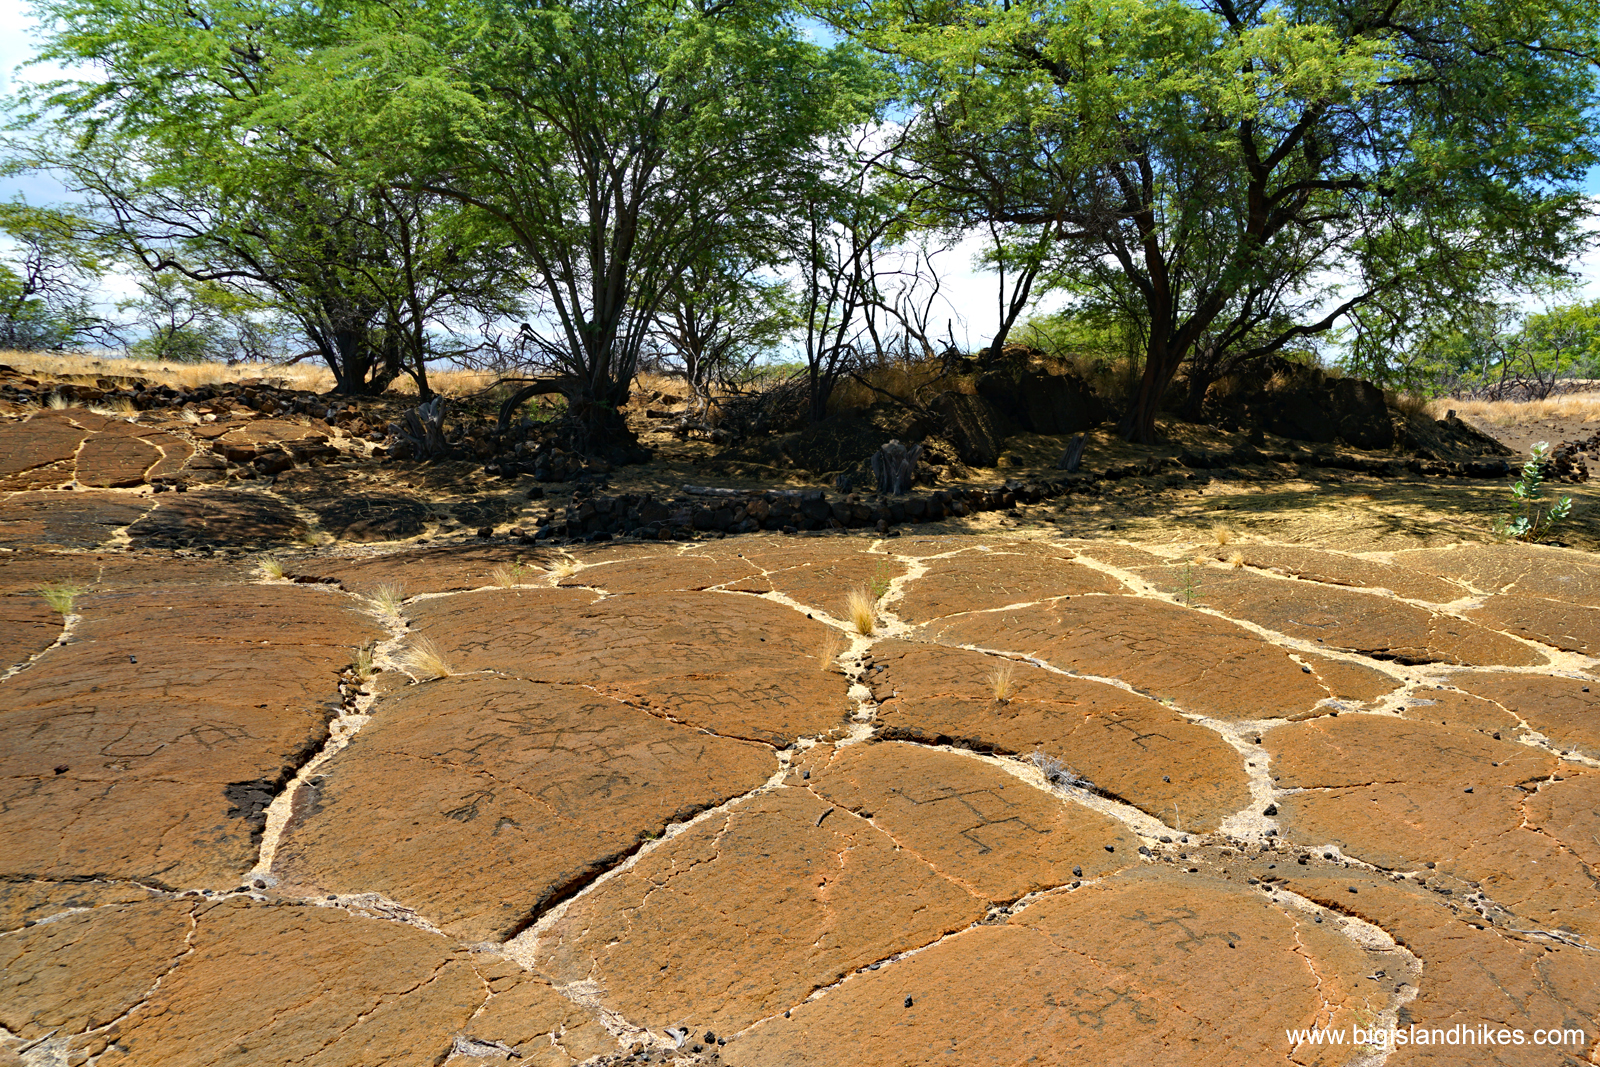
61, 596
881, 578
1057, 773
424, 658
565, 567
1002, 682
269, 567
507, 575
1236, 560
386, 601
1189, 589
861, 609
828, 651
1223, 534
361, 663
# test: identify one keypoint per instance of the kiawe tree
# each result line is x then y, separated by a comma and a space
608, 141
176, 137
1251, 173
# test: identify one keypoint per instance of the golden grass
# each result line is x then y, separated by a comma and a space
425, 659
1223, 534
1236, 560
565, 567
61, 595
861, 610
907, 380
828, 651
1001, 682
361, 663
1584, 406
269, 567
506, 575
188, 375
386, 600
57, 402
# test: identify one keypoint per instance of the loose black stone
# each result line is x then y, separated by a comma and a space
711, 1037
1468, 789
1352, 888
1270, 810
1109, 848
1077, 872
908, 1002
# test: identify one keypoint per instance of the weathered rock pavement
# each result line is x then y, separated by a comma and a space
1072, 801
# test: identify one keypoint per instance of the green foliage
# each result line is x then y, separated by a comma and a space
1528, 519
1221, 162
185, 149
185, 321
1485, 348
46, 283
613, 145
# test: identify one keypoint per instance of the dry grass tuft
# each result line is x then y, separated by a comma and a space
1223, 534
861, 609
1407, 404
61, 595
386, 600
269, 567
57, 402
828, 651
1236, 560
565, 567
506, 575
1001, 682
361, 664
424, 658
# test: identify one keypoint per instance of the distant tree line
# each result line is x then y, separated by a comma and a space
564, 189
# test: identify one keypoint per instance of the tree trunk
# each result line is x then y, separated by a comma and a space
1160, 366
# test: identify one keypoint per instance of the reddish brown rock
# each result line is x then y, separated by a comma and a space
1338, 568
1563, 709
817, 573
147, 746
1400, 794
326, 988
1207, 665
25, 902
662, 570
86, 969
28, 626
1474, 975
1124, 557
67, 520
115, 461
418, 571
735, 664
175, 455
98, 572
1145, 967
1448, 707
480, 801
1345, 620
37, 453
1569, 627
1013, 574
986, 830
1527, 570
746, 913
217, 516
1129, 746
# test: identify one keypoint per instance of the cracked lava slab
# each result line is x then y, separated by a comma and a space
745, 913
248, 983
1129, 746
1144, 967
1504, 817
1208, 666
123, 751
734, 664
478, 801
978, 580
